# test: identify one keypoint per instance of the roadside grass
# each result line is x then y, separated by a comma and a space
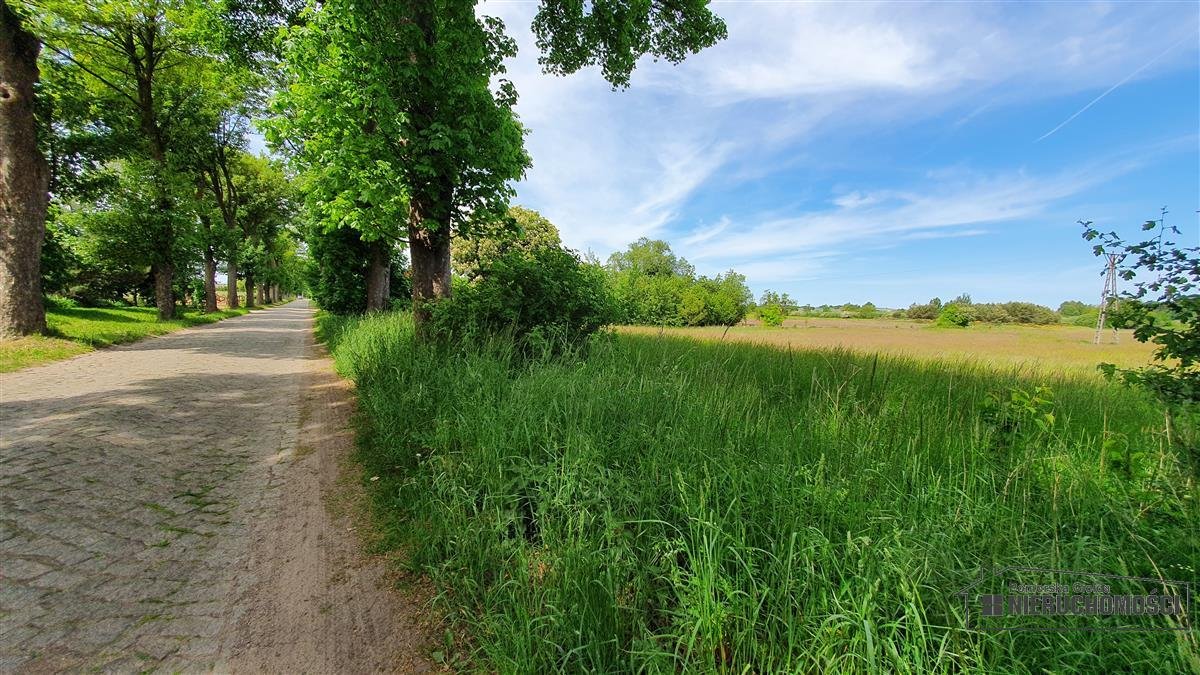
1047, 349
667, 505
76, 330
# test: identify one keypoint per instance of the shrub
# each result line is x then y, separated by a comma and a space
1086, 319
771, 315
989, 313
337, 271
336, 275
652, 286
929, 310
1075, 308
1027, 312
954, 315
59, 302
545, 298
867, 311
521, 229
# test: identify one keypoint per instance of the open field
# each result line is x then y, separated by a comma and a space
1038, 348
77, 330
669, 505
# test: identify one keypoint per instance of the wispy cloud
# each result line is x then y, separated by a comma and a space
1113, 88
727, 154
953, 207
934, 234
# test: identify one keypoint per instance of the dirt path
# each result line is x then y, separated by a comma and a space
163, 506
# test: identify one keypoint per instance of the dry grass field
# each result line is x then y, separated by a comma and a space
1038, 348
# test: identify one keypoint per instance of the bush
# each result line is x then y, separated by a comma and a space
1027, 312
1076, 308
953, 315
337, 273
1086, 319
989, 313
867, 311
652, 286
771, 315
59, 302
545, 298
929, 310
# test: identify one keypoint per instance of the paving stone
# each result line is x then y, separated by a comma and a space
129, 480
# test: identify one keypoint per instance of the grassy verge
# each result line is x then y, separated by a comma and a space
76, 330
667, 505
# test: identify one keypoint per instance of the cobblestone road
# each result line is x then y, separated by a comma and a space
130, 483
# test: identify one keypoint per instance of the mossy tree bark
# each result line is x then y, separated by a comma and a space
24, 180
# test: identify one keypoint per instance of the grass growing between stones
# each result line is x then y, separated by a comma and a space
76, 330
664, 505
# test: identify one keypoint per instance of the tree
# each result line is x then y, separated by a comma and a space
265, 209
521, 230
1075, 308
114, 241
216, 163
350, 147
783, 300
24, 179
144, 59
1166, 278
650, 257
404, 76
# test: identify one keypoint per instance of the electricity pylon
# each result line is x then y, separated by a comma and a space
1107, 297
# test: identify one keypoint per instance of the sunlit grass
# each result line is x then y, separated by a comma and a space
669, 505
76, 330
1046, 349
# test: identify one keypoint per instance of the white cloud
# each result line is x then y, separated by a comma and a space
609, 167
882, 218
934, 234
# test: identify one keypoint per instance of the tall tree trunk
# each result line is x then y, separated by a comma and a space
429, 248
24, 180
210, 269
262, 299
249, 289
164, 294
164, 266
210, 280
378, 275
231, 291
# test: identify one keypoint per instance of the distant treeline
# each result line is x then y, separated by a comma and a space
965, 311
773, 307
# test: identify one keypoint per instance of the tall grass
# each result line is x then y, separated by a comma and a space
660, 504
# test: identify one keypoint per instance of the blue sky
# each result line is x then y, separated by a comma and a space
846, 152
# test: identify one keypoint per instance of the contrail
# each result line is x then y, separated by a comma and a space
1110, 90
